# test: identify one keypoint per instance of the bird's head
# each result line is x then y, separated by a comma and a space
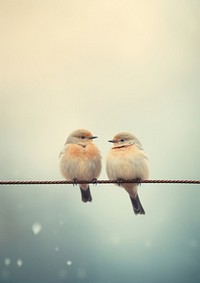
80, 136
124, 139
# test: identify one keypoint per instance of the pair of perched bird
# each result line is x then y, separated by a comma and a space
81, 160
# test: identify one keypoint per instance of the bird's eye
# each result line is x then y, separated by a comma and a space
82, 137
122, 140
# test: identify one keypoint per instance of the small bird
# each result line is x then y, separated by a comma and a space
126, 160
81, 160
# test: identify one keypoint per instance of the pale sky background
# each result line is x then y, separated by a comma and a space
107, 66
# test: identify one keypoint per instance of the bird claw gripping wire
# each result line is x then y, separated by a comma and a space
119, 182
138, 181
75, 181
94, 181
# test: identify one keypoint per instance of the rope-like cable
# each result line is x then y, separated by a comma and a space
60, 182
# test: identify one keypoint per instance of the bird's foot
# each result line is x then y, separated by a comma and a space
138, 181
75, 181
94, 181
119, 182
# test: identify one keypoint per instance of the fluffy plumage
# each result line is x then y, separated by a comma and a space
127, 160
81, 160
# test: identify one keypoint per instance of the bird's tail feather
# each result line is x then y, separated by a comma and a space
137, 206
86, 195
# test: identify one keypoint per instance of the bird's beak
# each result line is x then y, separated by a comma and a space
93, 137
113, 141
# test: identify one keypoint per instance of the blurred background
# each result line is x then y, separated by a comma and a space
107, 66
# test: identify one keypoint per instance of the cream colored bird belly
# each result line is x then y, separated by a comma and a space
82, 163
127, 163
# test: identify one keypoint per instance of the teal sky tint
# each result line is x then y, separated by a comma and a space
107, 66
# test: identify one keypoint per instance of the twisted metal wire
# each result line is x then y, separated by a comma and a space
61, 182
